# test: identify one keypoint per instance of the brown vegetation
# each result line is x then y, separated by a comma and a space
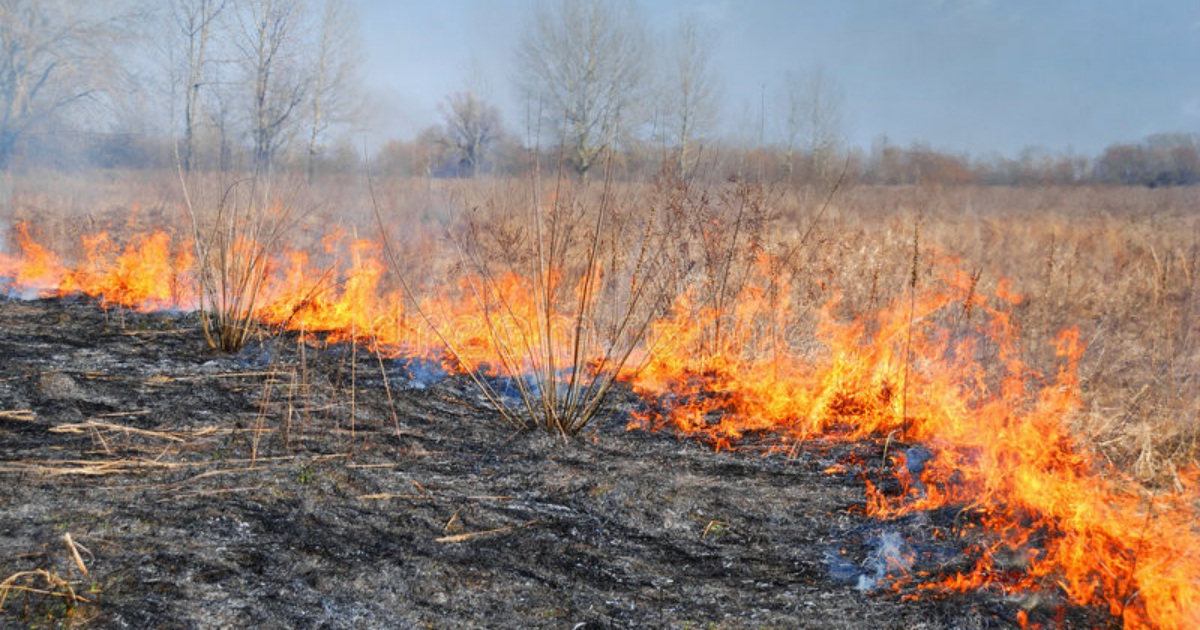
1118, 263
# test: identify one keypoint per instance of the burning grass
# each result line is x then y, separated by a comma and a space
996, 397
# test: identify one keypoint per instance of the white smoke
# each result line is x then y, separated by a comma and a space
892, 556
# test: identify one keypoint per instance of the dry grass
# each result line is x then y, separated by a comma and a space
464, 537
1120, 264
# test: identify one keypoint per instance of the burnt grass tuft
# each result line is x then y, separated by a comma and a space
286, 486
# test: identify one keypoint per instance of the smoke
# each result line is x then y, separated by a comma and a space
512, 390
891, 556
7, 277
915, 457
915, 460
4, 281
257, 355
5, 210
890, 553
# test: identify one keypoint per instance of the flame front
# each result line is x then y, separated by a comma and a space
939, 366
1000, 439
37, 271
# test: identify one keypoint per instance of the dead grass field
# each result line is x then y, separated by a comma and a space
1119, 264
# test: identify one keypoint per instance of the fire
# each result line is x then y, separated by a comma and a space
487, 323
147, 275
37, 270
304, 297
939, 368
999, 439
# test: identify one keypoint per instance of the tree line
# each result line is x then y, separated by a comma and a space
276, 84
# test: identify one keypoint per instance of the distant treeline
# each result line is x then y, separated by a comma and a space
1159, 160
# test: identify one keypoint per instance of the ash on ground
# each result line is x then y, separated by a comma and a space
290, 486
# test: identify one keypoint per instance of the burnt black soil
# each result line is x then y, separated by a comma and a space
290, 486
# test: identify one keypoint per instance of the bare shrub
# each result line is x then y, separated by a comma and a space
237, 227
565, 282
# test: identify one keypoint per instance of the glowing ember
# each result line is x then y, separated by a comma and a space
940, 369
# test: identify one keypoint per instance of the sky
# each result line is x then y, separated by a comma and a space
983, 77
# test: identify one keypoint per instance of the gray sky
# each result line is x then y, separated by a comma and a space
982, 76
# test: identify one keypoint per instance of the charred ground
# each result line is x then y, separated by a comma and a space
290, 486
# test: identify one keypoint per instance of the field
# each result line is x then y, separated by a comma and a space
948, 407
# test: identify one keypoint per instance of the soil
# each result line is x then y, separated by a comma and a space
295, 486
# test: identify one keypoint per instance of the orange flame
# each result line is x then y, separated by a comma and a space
36, 270
941, 368
147, 275
1000, 437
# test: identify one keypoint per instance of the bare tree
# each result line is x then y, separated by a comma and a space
471, 126
270, 45
812, 117
194, 21
690, 101
333, 71
54, 56
584, 62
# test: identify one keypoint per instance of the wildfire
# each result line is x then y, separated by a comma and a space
999, 438
147, 275
36, 271
939, 368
